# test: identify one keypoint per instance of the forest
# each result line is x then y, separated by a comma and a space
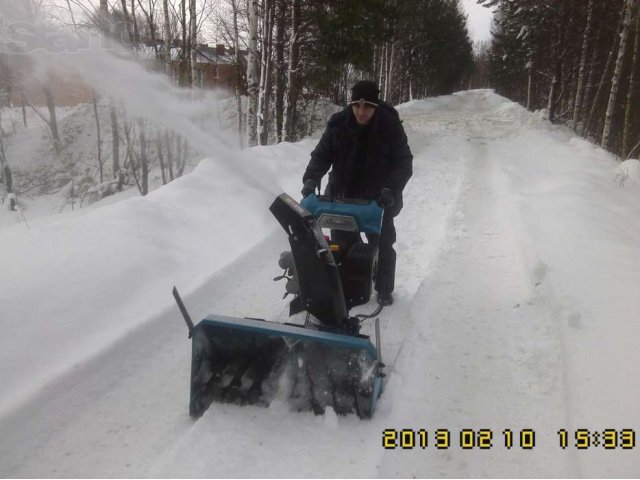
284, 65
576, 59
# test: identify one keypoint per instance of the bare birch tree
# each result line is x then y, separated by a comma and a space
167, 37
266, 66
558, 50
5, 171
144, 160
279, 67
23, 107
577, 106
293, 73
624, 150
136, 34
127, 21
169, 139
53, 120
238, 82
161, 156
615, 80
252, 75
185, 57
149, 14
115, 143
600, 89
193, 43
99, 136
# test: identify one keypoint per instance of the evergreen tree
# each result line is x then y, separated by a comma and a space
571, 58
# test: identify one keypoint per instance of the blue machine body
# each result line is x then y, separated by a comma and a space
345, 366
368, 215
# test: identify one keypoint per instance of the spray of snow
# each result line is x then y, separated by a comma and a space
108, 68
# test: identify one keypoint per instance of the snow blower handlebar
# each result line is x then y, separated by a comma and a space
183, 310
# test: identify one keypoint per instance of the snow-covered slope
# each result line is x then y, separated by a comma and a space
516, 309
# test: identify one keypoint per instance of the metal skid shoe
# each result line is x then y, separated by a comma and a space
323, 363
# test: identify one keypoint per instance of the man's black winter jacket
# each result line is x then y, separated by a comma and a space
345, 145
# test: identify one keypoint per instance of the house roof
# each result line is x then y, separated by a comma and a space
204, 54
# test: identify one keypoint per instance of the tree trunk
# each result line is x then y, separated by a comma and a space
144, 162
5, 171
136, 36
530, 84
104, 17
279, 67
389, 82
615, 80
557, 70
590, 82
182, 157
95, 112
152, 25
577, 107
53, 121
252, 75
170, 157
552, 103
293, 73
185, 57
115, 141
161, 157
607, 67
236, 54
167, 38
131, 159
193, 44
265, 73
127, 21
383, 66
380, 68
7, 177
633, 150
23, 101
629, 104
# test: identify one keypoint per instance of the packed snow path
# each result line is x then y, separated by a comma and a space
516, 308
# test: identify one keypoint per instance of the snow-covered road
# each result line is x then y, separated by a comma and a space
515, 310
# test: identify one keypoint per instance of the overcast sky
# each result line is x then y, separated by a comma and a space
478, 21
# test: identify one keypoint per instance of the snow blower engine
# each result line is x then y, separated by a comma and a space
323, 362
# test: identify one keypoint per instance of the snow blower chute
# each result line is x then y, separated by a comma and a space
325, 361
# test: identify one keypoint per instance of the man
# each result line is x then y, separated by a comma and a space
367, 149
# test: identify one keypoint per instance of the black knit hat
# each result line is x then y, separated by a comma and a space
367, 91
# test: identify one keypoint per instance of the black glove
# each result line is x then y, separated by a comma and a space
309, 187
385, 200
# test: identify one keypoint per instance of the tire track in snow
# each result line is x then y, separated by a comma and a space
422, 227
485, 351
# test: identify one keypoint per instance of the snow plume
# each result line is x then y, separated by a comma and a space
109, 69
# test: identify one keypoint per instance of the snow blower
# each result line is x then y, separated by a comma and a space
323, 362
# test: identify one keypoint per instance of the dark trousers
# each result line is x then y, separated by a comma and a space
386, 274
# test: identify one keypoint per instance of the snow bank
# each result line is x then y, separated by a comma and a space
72, 286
